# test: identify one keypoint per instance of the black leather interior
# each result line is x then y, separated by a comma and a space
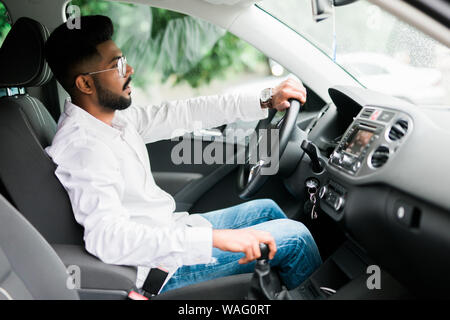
27, 173
22, 55
96, 275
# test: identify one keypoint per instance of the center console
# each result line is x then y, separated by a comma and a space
369, 142
373, 138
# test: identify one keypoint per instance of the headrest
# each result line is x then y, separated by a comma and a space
22, 61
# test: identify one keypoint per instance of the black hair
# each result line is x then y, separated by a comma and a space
66, 49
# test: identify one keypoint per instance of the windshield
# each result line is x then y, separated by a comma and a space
379, 50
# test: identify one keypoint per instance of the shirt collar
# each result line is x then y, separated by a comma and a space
74, 111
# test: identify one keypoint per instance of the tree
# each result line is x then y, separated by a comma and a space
163, 44
4, 23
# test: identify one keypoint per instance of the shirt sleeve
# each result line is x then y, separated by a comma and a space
89, 171
173, 119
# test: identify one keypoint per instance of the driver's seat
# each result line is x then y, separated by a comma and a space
27, 176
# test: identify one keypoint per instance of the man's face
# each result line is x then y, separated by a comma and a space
113, 91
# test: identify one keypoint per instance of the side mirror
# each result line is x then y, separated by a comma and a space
322, 9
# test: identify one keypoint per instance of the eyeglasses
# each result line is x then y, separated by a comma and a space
121, 67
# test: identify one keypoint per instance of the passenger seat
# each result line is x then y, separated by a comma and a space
27, 176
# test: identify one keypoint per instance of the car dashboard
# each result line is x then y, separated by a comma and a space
385, 181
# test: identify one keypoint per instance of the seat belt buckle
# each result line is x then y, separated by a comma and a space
154, 281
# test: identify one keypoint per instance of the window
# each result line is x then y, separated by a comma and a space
370, 69
381, 51
5, 26
5, 23
176, 56
361, 69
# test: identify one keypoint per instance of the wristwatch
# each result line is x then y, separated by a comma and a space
265, 98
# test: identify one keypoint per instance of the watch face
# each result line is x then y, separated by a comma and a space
265, 95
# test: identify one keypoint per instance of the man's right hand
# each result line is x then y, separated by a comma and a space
244, 240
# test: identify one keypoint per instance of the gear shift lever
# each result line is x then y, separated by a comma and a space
265, 284
264, 253
260, 283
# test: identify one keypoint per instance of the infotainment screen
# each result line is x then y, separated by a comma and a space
359, 140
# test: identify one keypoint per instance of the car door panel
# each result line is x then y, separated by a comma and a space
187, 182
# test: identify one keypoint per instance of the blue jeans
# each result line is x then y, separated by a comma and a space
296, 258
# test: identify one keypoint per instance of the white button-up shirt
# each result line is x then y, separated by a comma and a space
127, 218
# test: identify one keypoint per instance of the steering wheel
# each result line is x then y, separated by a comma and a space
258, 167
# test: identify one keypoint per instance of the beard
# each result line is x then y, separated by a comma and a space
110, 100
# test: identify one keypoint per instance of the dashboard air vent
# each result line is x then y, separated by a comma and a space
367, 112
380, 156
398, 130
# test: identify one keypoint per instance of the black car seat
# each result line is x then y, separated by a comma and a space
27, 176
29, 268
28, 182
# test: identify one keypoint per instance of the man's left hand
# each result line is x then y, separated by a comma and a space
288, 89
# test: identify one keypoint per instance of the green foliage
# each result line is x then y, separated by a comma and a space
162, 44
4, 23
196, 52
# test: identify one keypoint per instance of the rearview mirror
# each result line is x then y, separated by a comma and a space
323, 9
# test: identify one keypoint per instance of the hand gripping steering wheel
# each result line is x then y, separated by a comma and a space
264, 154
